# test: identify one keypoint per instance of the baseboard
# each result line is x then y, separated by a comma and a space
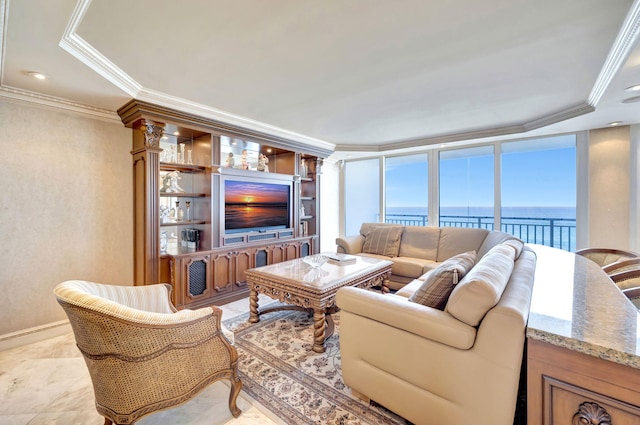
35, 334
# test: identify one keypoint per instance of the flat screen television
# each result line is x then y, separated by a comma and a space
251, 206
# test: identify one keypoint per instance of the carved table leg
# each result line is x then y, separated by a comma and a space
253, 306
318, 330
385, 285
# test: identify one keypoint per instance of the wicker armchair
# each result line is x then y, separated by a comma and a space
606, 257
142, 354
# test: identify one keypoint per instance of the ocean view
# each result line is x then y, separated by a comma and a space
524, 212
551, 226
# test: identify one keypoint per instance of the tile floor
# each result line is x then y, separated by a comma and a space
47, 382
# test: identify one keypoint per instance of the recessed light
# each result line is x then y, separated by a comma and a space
633, 88
37, 75
176, 133
614, 123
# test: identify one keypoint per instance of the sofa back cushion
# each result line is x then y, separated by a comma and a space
494, 238
383, 240
439, 283
420, 242
456, 240
481, 289
367, 227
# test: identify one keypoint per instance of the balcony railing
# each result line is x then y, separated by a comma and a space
553, 232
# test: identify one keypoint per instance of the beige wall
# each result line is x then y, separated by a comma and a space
609, 188
66, 208
329, 205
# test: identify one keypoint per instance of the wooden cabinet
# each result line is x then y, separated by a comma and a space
309, 223
196, 283
181, 163
568, 387
218, 276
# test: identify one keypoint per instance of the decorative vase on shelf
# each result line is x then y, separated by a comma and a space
181, 155
179, 211
188, 218
164, 241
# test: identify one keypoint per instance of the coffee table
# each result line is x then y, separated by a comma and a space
300, 286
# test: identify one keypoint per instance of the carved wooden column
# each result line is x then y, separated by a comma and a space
146, 176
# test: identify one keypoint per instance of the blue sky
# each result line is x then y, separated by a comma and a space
530, 177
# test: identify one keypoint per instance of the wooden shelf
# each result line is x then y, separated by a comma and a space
185, 168
183, 223
182, 195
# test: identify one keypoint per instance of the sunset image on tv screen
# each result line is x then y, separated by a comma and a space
255, 205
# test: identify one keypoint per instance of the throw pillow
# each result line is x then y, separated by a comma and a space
383, 240
480, 290
437, 287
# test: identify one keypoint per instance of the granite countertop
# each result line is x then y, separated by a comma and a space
576, 306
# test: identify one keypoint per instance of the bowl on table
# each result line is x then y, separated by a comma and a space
316, 260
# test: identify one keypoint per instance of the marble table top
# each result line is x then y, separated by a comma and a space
576, 306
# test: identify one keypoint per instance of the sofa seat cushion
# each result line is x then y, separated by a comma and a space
435, 290
412, 267
410, 288
481, 289
383, 241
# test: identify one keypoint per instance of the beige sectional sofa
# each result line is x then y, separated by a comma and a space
418, 249
456, 364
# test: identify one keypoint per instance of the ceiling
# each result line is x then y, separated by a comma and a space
357, 76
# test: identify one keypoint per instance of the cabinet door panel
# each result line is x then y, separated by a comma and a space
277, 254
291, 251
196, 277
566, 404
243, 262
222, 273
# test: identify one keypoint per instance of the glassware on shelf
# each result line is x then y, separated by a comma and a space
188, 207
181, 155
189, 158
164, 242
179, 212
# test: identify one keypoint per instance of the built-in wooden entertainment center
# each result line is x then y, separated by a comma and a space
202, 216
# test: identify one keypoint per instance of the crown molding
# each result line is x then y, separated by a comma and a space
12, 93
87, 54
556, 117
234, 121
136, 110
620, 51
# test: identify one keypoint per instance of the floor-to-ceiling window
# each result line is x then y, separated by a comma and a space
526, 188
538, 190
466, 187
361, 193
406, 189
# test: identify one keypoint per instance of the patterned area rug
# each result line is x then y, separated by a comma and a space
279, 370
